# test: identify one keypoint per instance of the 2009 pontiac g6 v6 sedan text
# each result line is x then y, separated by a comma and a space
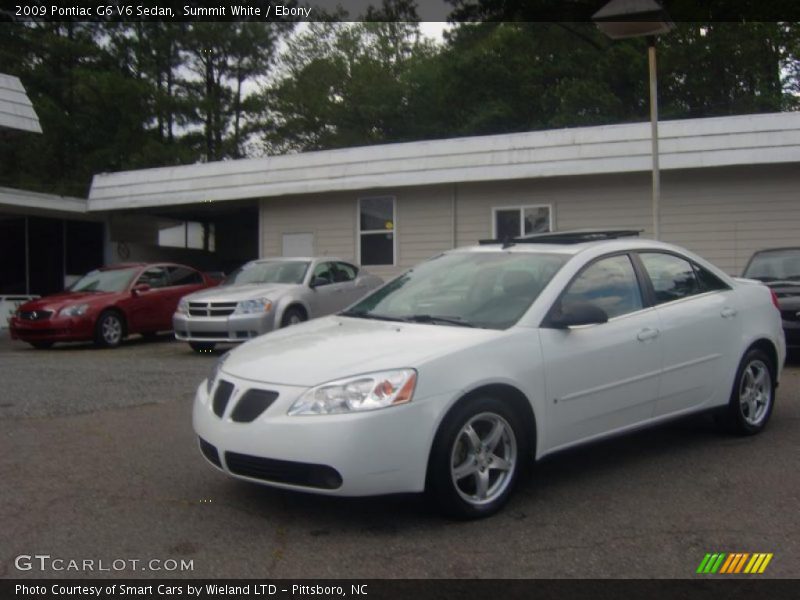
450, 378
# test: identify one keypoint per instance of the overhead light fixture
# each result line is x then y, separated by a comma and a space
620, 19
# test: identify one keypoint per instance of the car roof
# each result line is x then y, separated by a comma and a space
299, 258
782, 249
613, 245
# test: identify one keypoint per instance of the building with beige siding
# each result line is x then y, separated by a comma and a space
729, 186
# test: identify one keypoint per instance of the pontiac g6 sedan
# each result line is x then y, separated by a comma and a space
107, 304
267, 294
450, 378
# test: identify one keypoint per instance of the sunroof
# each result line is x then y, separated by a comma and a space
566, 237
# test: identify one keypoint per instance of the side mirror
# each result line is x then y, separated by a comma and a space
318, 281
140, 288
578, 313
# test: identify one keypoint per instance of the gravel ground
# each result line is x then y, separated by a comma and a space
71, 379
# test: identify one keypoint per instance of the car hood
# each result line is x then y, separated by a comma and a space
333, 347
58, 301
241, 292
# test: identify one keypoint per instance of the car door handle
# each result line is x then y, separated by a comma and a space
648, 333
728, 312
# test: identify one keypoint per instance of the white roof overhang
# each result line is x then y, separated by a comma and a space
685, 144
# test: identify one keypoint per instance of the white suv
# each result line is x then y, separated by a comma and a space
451, 377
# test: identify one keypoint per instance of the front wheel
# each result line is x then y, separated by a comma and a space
292, 316
109, 330
476, 458
752, 397
202, 347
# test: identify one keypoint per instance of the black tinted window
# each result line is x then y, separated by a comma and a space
708, 281
155, 277
184, 276
343, 272
673, 277
610, 284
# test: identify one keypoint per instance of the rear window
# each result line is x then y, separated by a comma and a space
776, 265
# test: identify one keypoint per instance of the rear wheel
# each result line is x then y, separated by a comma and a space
109, 329
752, 397
293, 316
202, 347
41, 345
476, 458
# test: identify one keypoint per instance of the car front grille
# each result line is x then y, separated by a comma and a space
211, 309
283, 471
210, 452
35, 315
221, 397
217, 335
252, 404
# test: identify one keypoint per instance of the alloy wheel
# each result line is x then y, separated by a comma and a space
755, 392
483, 458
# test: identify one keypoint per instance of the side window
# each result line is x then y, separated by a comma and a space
155, 277
673, 277
323, 271
344, 272
708, 281
184, 276
610, 284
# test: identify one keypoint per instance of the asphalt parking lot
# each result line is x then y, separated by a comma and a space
99, 462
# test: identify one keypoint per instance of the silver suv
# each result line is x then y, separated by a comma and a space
266, 294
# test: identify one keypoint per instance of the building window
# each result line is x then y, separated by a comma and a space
376, 234
187, 234
516, 221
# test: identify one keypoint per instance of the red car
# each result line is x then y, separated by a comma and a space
108, 304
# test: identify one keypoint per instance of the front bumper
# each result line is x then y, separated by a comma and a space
54, 329
232, 328
361, 454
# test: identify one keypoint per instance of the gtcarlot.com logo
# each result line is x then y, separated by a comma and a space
734, 563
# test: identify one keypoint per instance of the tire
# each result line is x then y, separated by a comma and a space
109, 329
41, 345
202, 347
293, 316
752, 397
467, 477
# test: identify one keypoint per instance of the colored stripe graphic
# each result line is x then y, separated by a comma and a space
764, 564
703, 563
734, 563
727, 564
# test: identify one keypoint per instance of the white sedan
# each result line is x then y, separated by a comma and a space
451, 377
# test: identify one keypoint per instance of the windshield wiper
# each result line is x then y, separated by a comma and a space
365, 315
438, 319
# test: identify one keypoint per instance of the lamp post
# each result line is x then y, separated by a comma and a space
621, 19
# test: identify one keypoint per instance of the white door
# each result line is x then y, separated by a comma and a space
700, 331
298, 244
602, 377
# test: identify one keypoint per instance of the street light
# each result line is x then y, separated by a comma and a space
622, 19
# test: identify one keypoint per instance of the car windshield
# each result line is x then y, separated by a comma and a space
473, 289
777, 265
279, 271
112, 280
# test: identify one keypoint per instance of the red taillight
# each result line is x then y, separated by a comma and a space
774, 298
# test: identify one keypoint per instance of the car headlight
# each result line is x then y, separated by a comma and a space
247, 307
76, 310
212, 379
360, 393
183, 307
